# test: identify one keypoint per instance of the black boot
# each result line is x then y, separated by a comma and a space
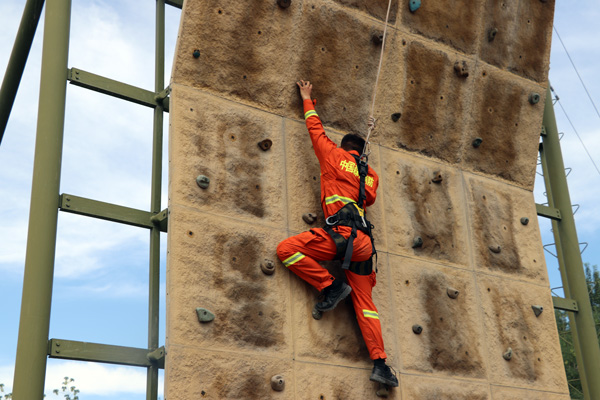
383, 374
333, 294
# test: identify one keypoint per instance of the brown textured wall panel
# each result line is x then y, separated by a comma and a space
434, 103
220, 140
414, 387
508, 124
517, 36
455, 23
451, 342
501, 243
230, 376
511, 323
442, 84
219, 270
415, 206
504, 393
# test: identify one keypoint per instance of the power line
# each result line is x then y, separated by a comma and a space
579, 76
579, 137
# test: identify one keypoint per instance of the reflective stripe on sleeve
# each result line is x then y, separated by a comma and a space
370, 314
310, 113
293, 259
335, 197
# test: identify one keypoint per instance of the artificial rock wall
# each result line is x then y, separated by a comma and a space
453, 72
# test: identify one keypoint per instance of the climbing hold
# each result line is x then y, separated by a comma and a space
437, 177
278, 383
383, 391
461, 69
204, 315
495, 249
202, 181
524, 220
534, 98
417, 242
417, 329
265, 144
267, 267
414, 5
377, 38
317, 314
452, 293
492, 34
284, 3
477, 142
196, 53
309, 218
508, 354
537, 310
396, 116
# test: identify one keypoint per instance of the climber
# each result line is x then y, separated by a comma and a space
346, 235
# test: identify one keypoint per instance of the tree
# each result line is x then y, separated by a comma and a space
592, 276
67, 390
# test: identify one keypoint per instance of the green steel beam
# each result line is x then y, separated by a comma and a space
104, 353
564, 304
589, 365
34, 323
175, 3
548, 212
156, 191
561, 262
111, 212
18, 59
114, 88
161, 220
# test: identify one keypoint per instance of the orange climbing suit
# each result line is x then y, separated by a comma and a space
339, 185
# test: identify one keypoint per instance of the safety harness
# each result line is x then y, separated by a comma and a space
352, 215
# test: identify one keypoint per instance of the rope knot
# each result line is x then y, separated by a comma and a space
371, 123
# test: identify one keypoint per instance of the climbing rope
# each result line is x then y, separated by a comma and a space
372, 120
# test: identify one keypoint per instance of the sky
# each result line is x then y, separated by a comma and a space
100, 286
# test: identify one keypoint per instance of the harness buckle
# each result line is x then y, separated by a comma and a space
331, 223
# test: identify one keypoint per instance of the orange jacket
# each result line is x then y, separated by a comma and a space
340, 181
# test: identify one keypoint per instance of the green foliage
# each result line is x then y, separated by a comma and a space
564, 331
67, 391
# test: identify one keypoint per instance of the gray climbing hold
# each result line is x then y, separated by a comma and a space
508, 354
452, 293
437, 177
309, 218
417, 329
492, 34
417, 242
414, 5
537, 310
267, 267
204, 315
495, 249
202, 181
524, 220
277, 383
534, 98
317, 314
383, 391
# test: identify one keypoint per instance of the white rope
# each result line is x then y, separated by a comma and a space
372, 120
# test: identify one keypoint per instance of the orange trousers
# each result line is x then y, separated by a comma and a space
300, 254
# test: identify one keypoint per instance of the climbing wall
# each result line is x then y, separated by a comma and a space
459, 102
